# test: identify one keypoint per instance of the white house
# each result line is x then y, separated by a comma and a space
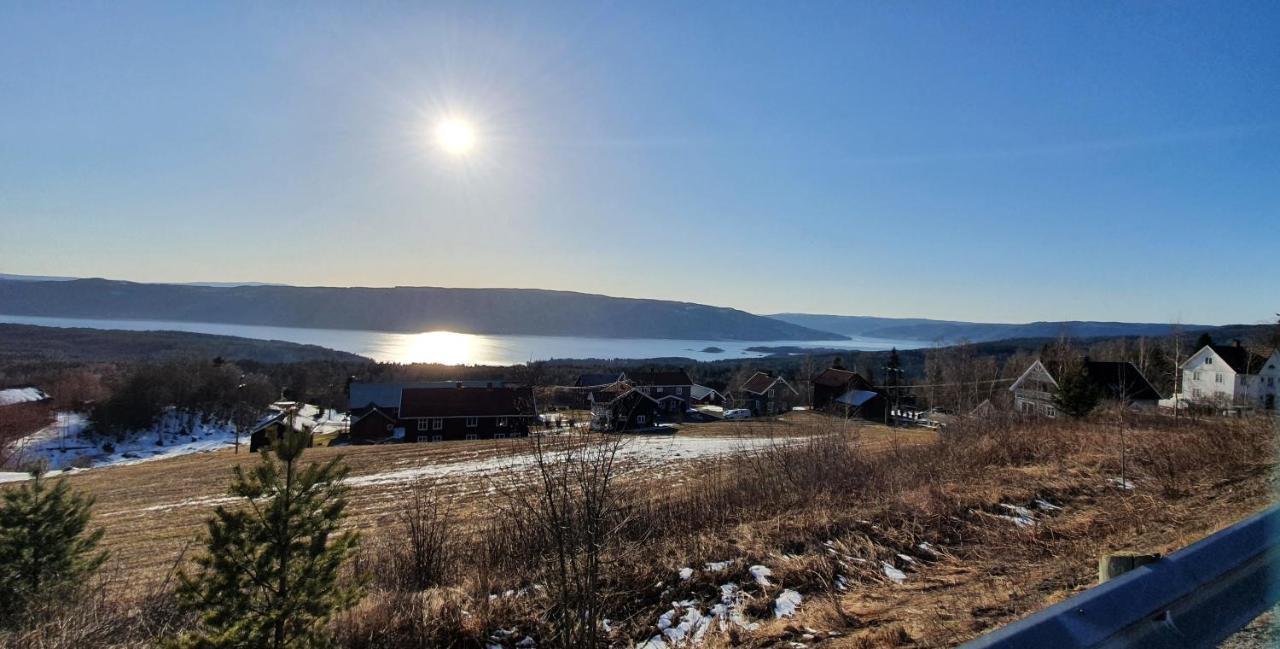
1229, 375
1267, 392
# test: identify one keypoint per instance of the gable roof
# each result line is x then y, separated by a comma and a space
1037, 371
671, 377
466, 402
702, 392
1120, 379
608, 396
592, 380
837, 378
760, 383
1240, 359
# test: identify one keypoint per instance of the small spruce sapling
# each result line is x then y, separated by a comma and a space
271, 574
46, 547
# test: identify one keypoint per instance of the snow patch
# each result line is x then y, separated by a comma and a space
786, 604
895, 575
761, 574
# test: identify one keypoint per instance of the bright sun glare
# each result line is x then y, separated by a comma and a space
455, 136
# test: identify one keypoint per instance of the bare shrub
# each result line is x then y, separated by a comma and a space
421, 549
569, 517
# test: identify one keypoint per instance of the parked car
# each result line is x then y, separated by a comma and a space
737, 413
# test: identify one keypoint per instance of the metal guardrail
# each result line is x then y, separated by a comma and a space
1195, 597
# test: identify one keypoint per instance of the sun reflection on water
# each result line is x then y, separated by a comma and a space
445, 347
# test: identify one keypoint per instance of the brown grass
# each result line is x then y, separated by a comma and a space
830, 508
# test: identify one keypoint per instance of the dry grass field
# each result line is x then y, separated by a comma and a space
888, 537
152, 510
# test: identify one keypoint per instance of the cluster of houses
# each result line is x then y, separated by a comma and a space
1225, 378
641, 400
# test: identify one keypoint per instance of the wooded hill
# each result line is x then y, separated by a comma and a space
399, 309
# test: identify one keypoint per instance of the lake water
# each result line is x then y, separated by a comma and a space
453, 348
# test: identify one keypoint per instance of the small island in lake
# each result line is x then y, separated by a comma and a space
712, 350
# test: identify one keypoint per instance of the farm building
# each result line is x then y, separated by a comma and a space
440, 411
764, 394
706, 396
619, 409
673, 390
323, 425
833, 383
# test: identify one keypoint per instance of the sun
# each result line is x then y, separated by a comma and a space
455, 136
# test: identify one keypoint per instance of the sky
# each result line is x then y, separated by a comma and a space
985, 161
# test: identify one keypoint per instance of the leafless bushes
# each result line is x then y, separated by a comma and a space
420, 552
569, 544
568, 518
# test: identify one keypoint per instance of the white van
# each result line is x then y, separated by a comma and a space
737, 413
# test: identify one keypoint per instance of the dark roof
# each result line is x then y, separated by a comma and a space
674, 377
759, 383
466, 402
838, 378
591, 380
1120, 380
608, 396
1239, 358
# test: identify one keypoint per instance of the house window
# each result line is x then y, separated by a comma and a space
472, 436
437, 423
1196, 376
422, 424
640, 419
659, 389
1217, 378
1050, 411
437, 438
1208, 360
1195, 392
499, 435
472, 422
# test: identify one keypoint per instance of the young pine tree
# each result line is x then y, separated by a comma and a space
270, 576
46, 547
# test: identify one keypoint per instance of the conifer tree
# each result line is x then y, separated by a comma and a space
1077, 395
271, 574
46, 547
1203, 341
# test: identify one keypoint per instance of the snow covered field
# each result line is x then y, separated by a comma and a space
644, 451
65, 444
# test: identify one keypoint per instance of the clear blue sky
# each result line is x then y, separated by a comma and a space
1006, 161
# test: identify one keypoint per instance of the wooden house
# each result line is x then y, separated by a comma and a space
764, 394
621, 409
440, 411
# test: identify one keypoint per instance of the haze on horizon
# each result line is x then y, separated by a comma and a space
991, 163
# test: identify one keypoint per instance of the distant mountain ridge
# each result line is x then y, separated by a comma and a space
399, 309
951, 331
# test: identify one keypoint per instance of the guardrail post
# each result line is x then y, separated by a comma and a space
1111, 566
